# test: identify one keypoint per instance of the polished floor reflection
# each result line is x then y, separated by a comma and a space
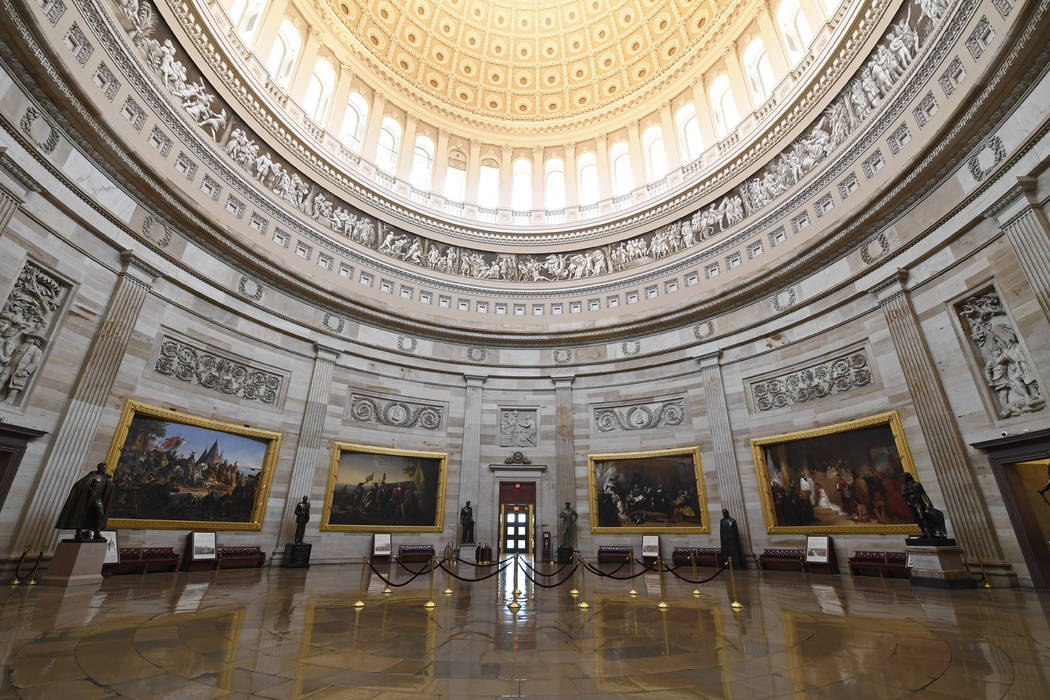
278, 633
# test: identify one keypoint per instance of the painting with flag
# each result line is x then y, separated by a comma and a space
380, 489
176, 471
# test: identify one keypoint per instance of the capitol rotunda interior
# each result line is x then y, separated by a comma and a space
524, 348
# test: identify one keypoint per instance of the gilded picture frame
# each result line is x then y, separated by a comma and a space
837, 479
652, 492
363, 493
225, 488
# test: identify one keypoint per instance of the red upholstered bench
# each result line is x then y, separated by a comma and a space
415, 553
705, 556
141, 560
784, 559
614, 553
865, 563
160, 559
130, 563
239, 557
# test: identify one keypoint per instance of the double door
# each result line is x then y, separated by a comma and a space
515, 528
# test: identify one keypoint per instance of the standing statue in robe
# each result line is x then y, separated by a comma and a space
567, 530
729, 532
302, 517
85, 508
466, 521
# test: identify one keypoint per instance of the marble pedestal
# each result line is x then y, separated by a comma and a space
76, 564
296, 555
938, 566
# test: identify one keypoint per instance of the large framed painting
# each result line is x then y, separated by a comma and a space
656, 492
374, 489
843, 478
181, 472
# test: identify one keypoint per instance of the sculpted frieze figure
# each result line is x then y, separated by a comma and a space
517, 428
26, 319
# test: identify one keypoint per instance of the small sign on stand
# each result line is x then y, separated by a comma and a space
820, 555
381, 546
650, 548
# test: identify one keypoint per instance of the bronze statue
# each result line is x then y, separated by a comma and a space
929, 519
567, 532
302, 516
85, 507
466, 521
729, 533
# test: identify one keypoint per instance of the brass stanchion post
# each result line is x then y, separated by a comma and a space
980, 562
430, 604
448, 580
660, 567
18, 568
514, 605
390, 574
572, 591
583, 585
696, 586
736, 605
633, 592
36, 566
360, 602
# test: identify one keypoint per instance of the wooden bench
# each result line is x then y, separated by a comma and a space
782, 559
141, 560
417, 553
705, 556
614, 553
893, 564
239, 557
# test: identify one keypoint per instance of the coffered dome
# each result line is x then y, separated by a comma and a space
528, 61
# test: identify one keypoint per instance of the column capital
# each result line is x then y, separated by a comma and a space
474, 380
709, 359
134, 266
1016, 200
563, 381
326, 352
890, 287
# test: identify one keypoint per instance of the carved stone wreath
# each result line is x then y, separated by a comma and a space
208, 370
640, 416
834, 376
398, 414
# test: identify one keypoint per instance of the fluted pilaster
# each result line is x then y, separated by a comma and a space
1028, 232
308, 454
471, 453
730, 489
69, 449
966, 510
565, 442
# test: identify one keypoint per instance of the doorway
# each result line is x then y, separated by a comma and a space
517, 517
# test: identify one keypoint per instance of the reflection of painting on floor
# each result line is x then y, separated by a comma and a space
847, 476
181, 471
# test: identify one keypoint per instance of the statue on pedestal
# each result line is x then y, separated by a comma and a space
729, 532
466, 521
929, 519
85, 508
302, 517
567, 530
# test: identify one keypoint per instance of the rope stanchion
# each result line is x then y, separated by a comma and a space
514, 606
390, 583
548, 585
473, 580
662, 605
735, 605
696, 587
461, 560
573, 591
534, 570
633, 592
17, 579
697, 582
448, 578
599, 572
583, 604
36, 567
360, 602
430, 604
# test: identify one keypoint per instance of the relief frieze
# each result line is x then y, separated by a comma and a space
199, 365
837, 375
644, 415
395, 412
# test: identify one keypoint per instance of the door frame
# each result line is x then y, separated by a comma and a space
530, 476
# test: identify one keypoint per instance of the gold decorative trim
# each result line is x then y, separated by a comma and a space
701, 494
339, 447
891, 418
133, 408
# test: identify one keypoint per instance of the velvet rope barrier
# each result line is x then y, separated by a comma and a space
598, 572
461, 560
699, 581
540, 573
409, 569
441, 565
550, 585
388, 582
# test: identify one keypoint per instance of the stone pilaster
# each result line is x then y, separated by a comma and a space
72, 441
565, 442
8, 205
470, 465
1028, 232
730, 489
966, 510
308, 450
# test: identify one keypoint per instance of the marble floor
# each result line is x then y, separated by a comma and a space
278, 633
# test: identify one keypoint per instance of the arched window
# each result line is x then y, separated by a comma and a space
521, 185
690, 143
620, 163
354, 121
758, 69
488, 185
455, 183
723, 106
554, 184
655, 156
587, 178
422, 163
389, 144
245, 16
794, 28
283, 54
319, 91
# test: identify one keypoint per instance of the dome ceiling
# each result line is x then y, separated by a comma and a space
527, 60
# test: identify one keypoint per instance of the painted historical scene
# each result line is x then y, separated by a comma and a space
386, 489
176, 471
846, 479
648, 491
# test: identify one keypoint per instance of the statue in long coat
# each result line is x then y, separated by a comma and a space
85, 507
